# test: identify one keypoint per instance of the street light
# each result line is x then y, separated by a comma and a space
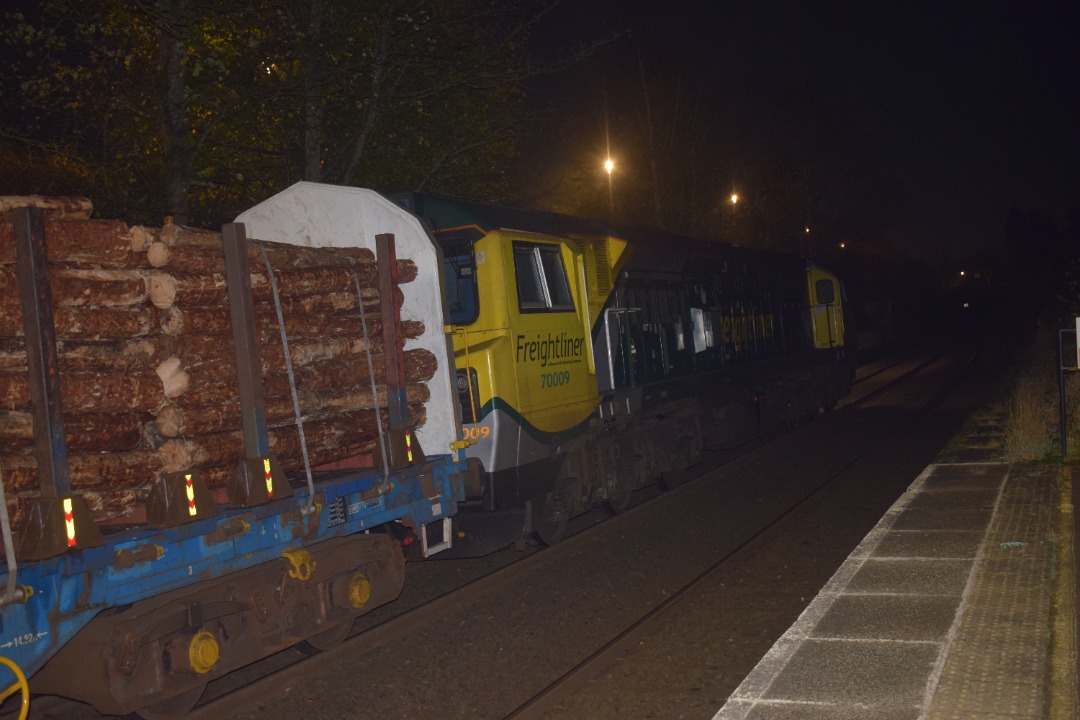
734, 200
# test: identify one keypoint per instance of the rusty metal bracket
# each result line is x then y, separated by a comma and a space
402, 450
256, 481
179, 498
57, 525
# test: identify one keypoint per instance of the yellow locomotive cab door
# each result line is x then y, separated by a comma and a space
826, 316
551, 348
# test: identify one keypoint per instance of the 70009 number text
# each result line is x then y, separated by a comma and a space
554, 379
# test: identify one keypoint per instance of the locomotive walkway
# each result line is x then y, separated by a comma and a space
959, 604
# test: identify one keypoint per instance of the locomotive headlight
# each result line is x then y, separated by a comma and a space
466, 383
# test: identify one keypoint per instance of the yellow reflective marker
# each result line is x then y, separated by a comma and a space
269, 478
69, 523
189, 489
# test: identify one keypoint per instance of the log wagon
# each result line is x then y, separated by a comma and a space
213, 445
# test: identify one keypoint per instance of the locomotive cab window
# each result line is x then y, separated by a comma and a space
541, 278
459, 277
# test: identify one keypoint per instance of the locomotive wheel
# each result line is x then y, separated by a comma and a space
175, 707
326, 640
549, 531
620, 502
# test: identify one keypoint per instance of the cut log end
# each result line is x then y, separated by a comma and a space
162, 289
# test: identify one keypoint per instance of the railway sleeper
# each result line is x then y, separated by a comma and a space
138, 657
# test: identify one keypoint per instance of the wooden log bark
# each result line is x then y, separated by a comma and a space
216, 476
55, 208
110, 505
208, 384
18, 511
420, 366
210, 289
82, 432
327, 439
197, 350
76, 355
178, 418
189, 250
173, 234
89, 323
94, 243
115, 470
194, 242
85, 392
216, 322
361, 398
80, 287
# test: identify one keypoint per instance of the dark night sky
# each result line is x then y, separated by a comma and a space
939, 116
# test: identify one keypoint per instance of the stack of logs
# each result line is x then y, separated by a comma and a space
147, 370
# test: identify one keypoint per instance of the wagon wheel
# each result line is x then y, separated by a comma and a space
671, 479
175, 707
327, 639
549, 531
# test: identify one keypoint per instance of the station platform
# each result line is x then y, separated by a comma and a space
959, 604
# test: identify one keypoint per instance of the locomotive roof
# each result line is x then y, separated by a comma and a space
441, 212
657, 250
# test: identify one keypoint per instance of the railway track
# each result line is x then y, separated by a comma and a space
556, 694
236, 694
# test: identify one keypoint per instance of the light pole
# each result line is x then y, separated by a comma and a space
609, 167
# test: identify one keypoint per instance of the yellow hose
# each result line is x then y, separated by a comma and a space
21, 686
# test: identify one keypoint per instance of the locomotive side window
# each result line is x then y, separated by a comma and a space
825, 292
541, 278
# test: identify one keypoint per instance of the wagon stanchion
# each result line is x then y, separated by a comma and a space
402, 447
258, 478
58, 520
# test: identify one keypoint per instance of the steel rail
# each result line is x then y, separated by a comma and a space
567, 685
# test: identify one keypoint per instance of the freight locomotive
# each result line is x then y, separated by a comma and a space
594, 360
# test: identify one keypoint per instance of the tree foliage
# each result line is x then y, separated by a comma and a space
198, 109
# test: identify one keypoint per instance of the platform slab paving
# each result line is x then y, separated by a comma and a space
941, 612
